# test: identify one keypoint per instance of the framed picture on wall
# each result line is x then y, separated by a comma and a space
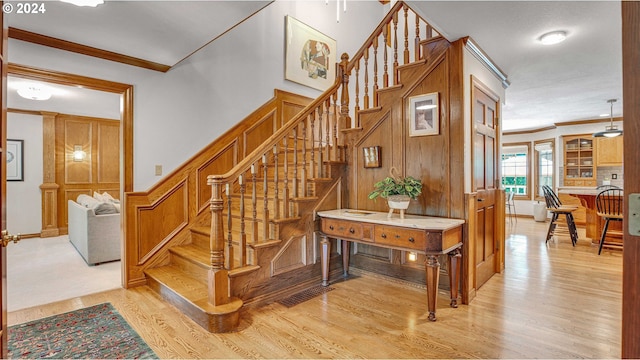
372, 158
424, 115
310, 56
15, 162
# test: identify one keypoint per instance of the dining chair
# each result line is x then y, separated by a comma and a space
609, 206
511, 206
554, 205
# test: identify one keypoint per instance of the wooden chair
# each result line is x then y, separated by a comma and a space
511, 206
609, 206
556, 208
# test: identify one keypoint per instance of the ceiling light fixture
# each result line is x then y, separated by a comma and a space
92, 3
611, 130
34, 92
553, 37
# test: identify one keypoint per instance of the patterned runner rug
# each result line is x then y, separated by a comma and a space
96, 332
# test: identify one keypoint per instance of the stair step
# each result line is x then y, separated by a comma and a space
191, 297
193, 253
243, 270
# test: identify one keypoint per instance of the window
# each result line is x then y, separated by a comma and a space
515, 169
544, 165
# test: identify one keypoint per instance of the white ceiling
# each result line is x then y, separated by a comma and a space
549, 84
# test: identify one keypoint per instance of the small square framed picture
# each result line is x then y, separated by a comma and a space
372, 158
424, 115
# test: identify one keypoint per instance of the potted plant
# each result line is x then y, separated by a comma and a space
398, 191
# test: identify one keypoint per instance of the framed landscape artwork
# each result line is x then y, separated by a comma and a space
310, 56
15, 162
424, 115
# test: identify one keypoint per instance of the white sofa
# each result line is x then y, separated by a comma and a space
96, 237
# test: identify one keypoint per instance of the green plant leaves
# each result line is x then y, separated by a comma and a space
390, 186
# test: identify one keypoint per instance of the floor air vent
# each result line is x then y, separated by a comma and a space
305, 295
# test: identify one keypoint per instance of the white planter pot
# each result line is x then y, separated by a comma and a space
400, 202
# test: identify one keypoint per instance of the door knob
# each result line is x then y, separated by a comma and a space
7, 238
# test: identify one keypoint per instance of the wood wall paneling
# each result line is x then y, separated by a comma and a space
108, 156
426, 156
259, 132
159, 221
77, 133
220, 163
98, 172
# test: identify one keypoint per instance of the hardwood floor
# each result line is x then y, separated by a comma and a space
554, 301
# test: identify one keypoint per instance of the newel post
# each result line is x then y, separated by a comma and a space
218, 275
344, 100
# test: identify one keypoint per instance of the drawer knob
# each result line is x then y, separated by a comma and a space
411, 240
384, 236
330, 227
351, 230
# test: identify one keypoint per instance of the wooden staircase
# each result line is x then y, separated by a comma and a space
259, 244
184, 280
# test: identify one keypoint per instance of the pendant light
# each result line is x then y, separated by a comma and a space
611, 130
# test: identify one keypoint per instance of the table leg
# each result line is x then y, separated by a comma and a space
432, 266
325, 247
346, 253
455, 264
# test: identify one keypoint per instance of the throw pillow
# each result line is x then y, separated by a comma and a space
105, 208
87, 201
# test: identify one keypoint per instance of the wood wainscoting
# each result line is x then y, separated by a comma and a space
161, 217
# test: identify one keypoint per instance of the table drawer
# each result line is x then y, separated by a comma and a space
400, 237
342, 229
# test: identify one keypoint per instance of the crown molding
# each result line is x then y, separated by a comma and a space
31, 37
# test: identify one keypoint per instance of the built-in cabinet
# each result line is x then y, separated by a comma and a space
579, 160
609, 151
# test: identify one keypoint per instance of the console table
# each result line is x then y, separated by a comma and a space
431, 236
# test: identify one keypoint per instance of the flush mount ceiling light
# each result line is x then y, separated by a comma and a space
553, 37
92, 3
611, 130
34, 92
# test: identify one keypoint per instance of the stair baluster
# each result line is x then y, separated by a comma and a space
336, 155
320, 145
365, 101
254, 201
395, 48
242, 254
416, 45
276, 194
229, 257
375, 71
265, 191
406, 33
312, 165
295, 162
303, 176
285, 191
385, 72
328, 127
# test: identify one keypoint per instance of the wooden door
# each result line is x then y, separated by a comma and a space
485, 180
631, 125
3, 188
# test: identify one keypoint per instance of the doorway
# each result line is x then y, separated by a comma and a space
124, 111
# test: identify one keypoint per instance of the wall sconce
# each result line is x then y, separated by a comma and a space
413, 256
78, 153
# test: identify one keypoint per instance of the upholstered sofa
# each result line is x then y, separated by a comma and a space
96, 237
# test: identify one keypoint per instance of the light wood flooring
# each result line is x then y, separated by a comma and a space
554, 301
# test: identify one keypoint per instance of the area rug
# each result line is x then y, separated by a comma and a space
96, 332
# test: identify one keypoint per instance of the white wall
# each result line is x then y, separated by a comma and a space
179, 112
24, 207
